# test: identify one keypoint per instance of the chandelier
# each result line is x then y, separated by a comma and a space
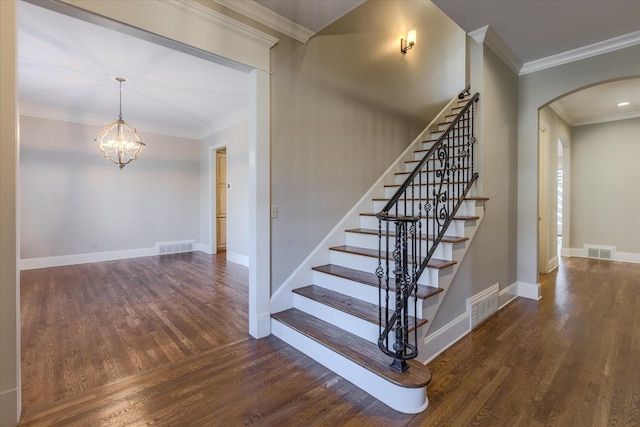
118, 141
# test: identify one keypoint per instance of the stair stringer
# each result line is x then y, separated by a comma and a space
282, 298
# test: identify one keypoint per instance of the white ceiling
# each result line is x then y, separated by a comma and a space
312, 14
67, 66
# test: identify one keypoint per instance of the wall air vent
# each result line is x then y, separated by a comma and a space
483, 305
600, 252
175, 247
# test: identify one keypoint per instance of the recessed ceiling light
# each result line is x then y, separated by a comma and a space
622, 104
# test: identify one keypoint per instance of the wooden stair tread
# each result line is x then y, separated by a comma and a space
356, 349
353, 306
455, 218
433, 262
470, 198
445, 239
371, 279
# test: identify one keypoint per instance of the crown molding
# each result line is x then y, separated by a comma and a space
605, 46
562, 112
607, 119
488, 36
267, 17
220, 20
225, 122
50, 113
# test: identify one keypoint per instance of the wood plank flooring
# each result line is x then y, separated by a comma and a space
98, 349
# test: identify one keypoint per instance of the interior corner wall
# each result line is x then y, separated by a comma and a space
491, 257
605, 179
236, 141
536, 90
344, 106
73, 201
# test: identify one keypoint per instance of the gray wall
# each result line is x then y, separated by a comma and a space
491, 257
73, 201
344, 106
605, 190
236, 141
535, 91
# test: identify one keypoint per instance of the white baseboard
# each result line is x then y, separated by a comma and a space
207, 249
529, 290
616, 256
9, 408
57, 261
452, 332
238, 259
445, 337
508, 294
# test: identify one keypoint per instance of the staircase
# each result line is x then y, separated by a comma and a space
338, 317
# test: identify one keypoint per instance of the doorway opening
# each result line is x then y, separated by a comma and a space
221, 200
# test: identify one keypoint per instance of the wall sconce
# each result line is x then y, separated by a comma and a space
407, 44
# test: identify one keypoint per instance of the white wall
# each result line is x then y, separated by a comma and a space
236, 140
605, 179
73, 201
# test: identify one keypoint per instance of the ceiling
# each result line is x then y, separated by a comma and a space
67, 67
69, 74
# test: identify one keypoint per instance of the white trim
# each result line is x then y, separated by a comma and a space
605, 46
606, 119
529, 290
445, 337
204, 248
507, 295
222, 21
231, 119
8, 403
615, 255
57, 261
268, 17
488, 36
51, 113
238, 258
559, 109
402, 399
440, 340
552, 264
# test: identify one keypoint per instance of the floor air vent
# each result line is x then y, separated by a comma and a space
600, 252
176, 247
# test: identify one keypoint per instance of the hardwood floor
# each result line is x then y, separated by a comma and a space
152, 342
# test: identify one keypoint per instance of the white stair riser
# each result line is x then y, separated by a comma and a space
363, 292
429, 178
418, 155
370, 241
444, 126
366, 263
434, 136
456, 228
349, 323
453, 175
468, 207
423, 191
406, 400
